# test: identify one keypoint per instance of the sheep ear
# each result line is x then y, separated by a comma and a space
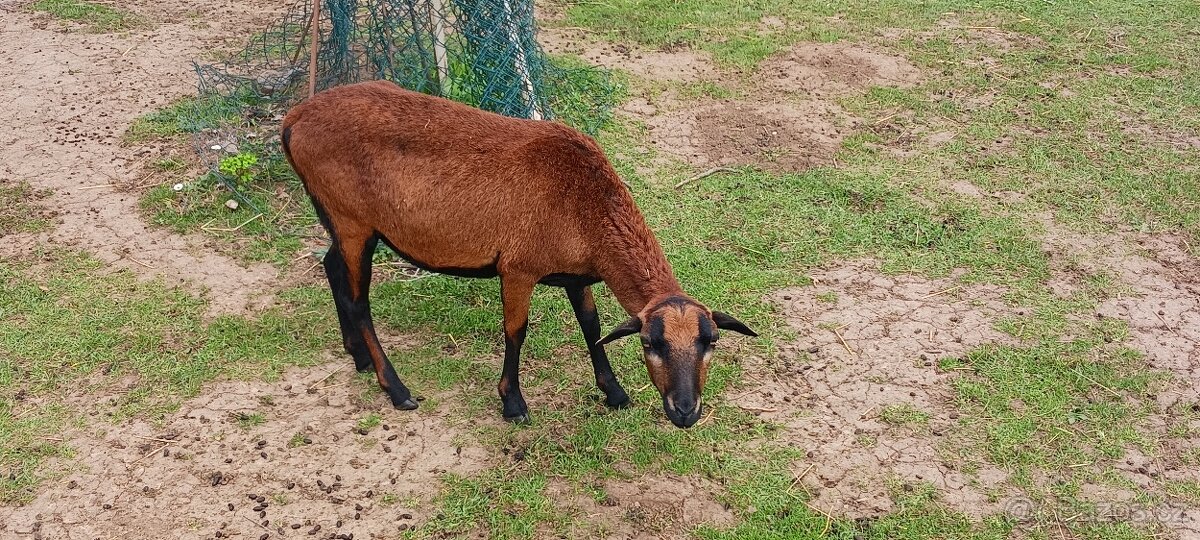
727, 322
632, 326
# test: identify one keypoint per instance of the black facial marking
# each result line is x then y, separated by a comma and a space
657, 337
708, 330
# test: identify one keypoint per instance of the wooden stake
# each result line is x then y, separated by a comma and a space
312, 57
438, 20
527, 90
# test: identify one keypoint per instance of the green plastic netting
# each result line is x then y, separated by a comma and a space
480, 52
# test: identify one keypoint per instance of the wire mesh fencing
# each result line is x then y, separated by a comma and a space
480, 52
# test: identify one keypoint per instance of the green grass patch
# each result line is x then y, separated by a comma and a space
1052, 405
20, 211
369, 422
904, 414
1188, 490
96, 17
250, 420
299, 439
190, 115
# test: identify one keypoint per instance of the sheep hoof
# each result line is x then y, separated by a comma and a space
519, 419
624, 402
407, 405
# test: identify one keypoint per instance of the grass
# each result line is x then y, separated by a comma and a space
904, 414
95, 17
250, 420
189, 115
298, 440
19, 208
369, 422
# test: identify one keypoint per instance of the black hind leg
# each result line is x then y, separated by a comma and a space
348, 267
353, 268
339, 283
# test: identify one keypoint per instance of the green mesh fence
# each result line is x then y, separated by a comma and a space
479, 52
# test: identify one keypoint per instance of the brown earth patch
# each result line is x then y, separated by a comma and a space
829, 395
794, 125
193, 475
73, 95
672, 65
1147, 130
834, 69
651, 507
779, 137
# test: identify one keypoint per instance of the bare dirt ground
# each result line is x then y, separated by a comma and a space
72, 94
199, 473
649, 508
871, 341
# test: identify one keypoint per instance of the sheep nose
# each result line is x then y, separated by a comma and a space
685, 413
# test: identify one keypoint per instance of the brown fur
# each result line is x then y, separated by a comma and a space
452, 186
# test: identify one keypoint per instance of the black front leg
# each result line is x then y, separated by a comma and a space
515, 292
589, 322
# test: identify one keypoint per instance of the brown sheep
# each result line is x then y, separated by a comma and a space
465, 192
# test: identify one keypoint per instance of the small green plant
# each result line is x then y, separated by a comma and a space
829, 297
369, 422
280, 499
169, 164
904, 414
241, 167
298, 440
249, 420
388, 498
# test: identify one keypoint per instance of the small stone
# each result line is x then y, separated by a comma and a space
177, 187
231, 204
